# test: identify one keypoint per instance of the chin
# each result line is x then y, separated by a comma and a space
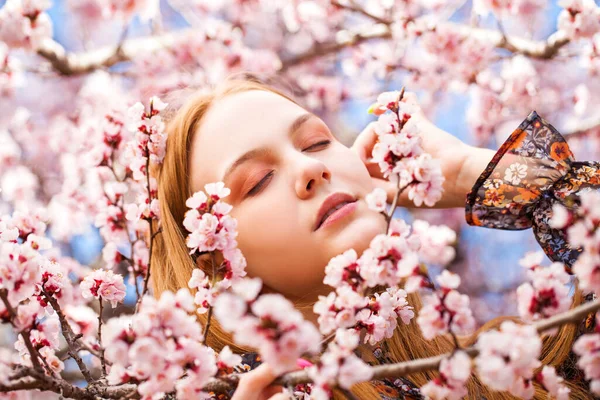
358, 233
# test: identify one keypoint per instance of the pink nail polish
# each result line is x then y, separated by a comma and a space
302, 363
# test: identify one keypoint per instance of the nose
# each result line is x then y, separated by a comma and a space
313, 173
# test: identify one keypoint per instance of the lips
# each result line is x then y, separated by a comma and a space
332, 203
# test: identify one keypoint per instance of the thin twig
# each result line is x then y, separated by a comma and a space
69, 336
209, 316
25, 333
102, 360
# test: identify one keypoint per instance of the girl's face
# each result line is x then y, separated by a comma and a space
281, 163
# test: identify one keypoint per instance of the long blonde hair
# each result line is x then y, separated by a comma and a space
172, 265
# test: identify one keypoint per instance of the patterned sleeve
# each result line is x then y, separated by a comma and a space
532, 170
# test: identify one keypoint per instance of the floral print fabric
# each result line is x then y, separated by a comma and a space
533, 170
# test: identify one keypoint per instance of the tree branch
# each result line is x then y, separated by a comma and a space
26, 337
424, 364
66, 63
69, 335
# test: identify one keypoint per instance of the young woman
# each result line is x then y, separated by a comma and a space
281, 162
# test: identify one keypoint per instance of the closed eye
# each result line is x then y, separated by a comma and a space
260, 184
322, 143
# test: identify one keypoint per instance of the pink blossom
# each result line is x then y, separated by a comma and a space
24, 23
111, 255
508, 357
446, 310
454, 373
553, 383
27, 314
587, 347
82, 319
339, 364
19, 270
579, 19
520, 8
560, 217
341, 268
426, 174
377, 200
547, 294
437, 242
448, 280
105, 285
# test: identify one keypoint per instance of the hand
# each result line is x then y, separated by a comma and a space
459, 162
254, 385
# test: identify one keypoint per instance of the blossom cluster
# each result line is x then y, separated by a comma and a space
454, 373
94, 10
547, 294
269, 323
446, 310
339, 365
508, 358
29, 280
398, 150
160, 347
521, 8
581, 225
389, 258
121, 157
150, 135
579, 18
25, 23
587, 347
22, 237
103, 285
212, 233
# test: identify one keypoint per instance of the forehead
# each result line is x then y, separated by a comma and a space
234, 125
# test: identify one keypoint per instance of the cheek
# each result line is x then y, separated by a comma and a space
349, 165
266, 227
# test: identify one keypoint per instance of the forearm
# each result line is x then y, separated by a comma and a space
475, 161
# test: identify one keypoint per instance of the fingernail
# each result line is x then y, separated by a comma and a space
302, 363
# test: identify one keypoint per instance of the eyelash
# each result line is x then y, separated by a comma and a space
260, 184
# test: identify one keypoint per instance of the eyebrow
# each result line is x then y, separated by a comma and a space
261, 151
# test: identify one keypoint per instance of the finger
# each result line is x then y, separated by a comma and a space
280, 396
374, 170
365, 141
254, 382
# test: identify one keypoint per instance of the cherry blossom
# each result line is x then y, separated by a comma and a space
377, 200
105, 285
582, 230
454, 372
136, 347
508, 357
547, 294
579, 19
24, 23
269, 323
587, 347
338, 365
398, 149
446, 310
553, 383
437, 242
151, 139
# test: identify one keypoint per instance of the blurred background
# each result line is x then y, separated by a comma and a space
78, 60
